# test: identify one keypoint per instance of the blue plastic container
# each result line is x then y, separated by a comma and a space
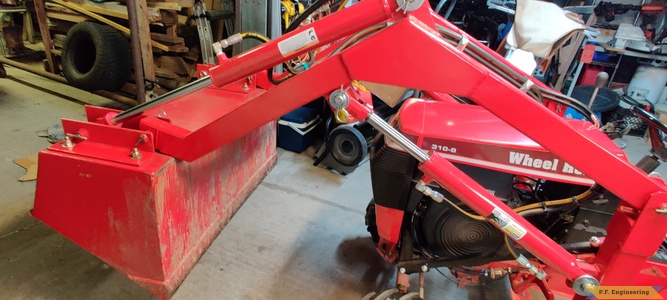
570, 113
297, 130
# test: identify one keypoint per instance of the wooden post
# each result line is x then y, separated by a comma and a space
137, 59
145, 38
44, 31
140, 34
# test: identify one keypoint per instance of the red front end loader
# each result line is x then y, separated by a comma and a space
478, 172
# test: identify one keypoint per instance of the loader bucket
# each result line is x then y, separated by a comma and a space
147, 214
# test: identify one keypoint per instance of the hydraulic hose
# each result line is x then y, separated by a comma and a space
259, 37
526, 207
342, 5
302, 17
256, 36
539, 205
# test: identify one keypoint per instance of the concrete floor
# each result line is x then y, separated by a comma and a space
301, 234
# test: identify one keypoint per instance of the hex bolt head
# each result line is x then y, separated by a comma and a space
595, 241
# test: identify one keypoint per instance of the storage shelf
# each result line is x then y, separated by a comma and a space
604, 64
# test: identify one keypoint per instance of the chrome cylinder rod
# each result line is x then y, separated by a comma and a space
186, 89
389, 131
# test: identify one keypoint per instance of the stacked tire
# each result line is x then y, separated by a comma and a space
96, 57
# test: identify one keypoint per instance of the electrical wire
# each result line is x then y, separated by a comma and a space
308, 64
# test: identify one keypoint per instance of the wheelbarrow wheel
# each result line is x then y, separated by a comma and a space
96, 57
348, 146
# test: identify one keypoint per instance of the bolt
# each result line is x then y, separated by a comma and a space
67, 143
245, 86
135, 154
142, 138
662, 210
338, 99
401, 270
424, 268
203, 74
595, 241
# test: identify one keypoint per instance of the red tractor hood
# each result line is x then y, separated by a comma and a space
470, 134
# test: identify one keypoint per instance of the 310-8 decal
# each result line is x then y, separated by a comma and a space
442, 148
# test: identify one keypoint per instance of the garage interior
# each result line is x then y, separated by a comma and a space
203, 182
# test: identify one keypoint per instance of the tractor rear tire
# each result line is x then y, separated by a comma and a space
371, 221
96, 57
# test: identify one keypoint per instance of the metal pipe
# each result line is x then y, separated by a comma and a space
186, 89
386, 129
135, 44
54, 77
439, 6
450, 9
639, 13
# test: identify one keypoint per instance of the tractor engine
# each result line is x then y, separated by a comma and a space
439, 230
548, 192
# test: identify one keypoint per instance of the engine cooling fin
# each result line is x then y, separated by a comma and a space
462, 236
445, 232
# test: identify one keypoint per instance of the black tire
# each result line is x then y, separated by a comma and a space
96, 57
371, 221
348, 146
